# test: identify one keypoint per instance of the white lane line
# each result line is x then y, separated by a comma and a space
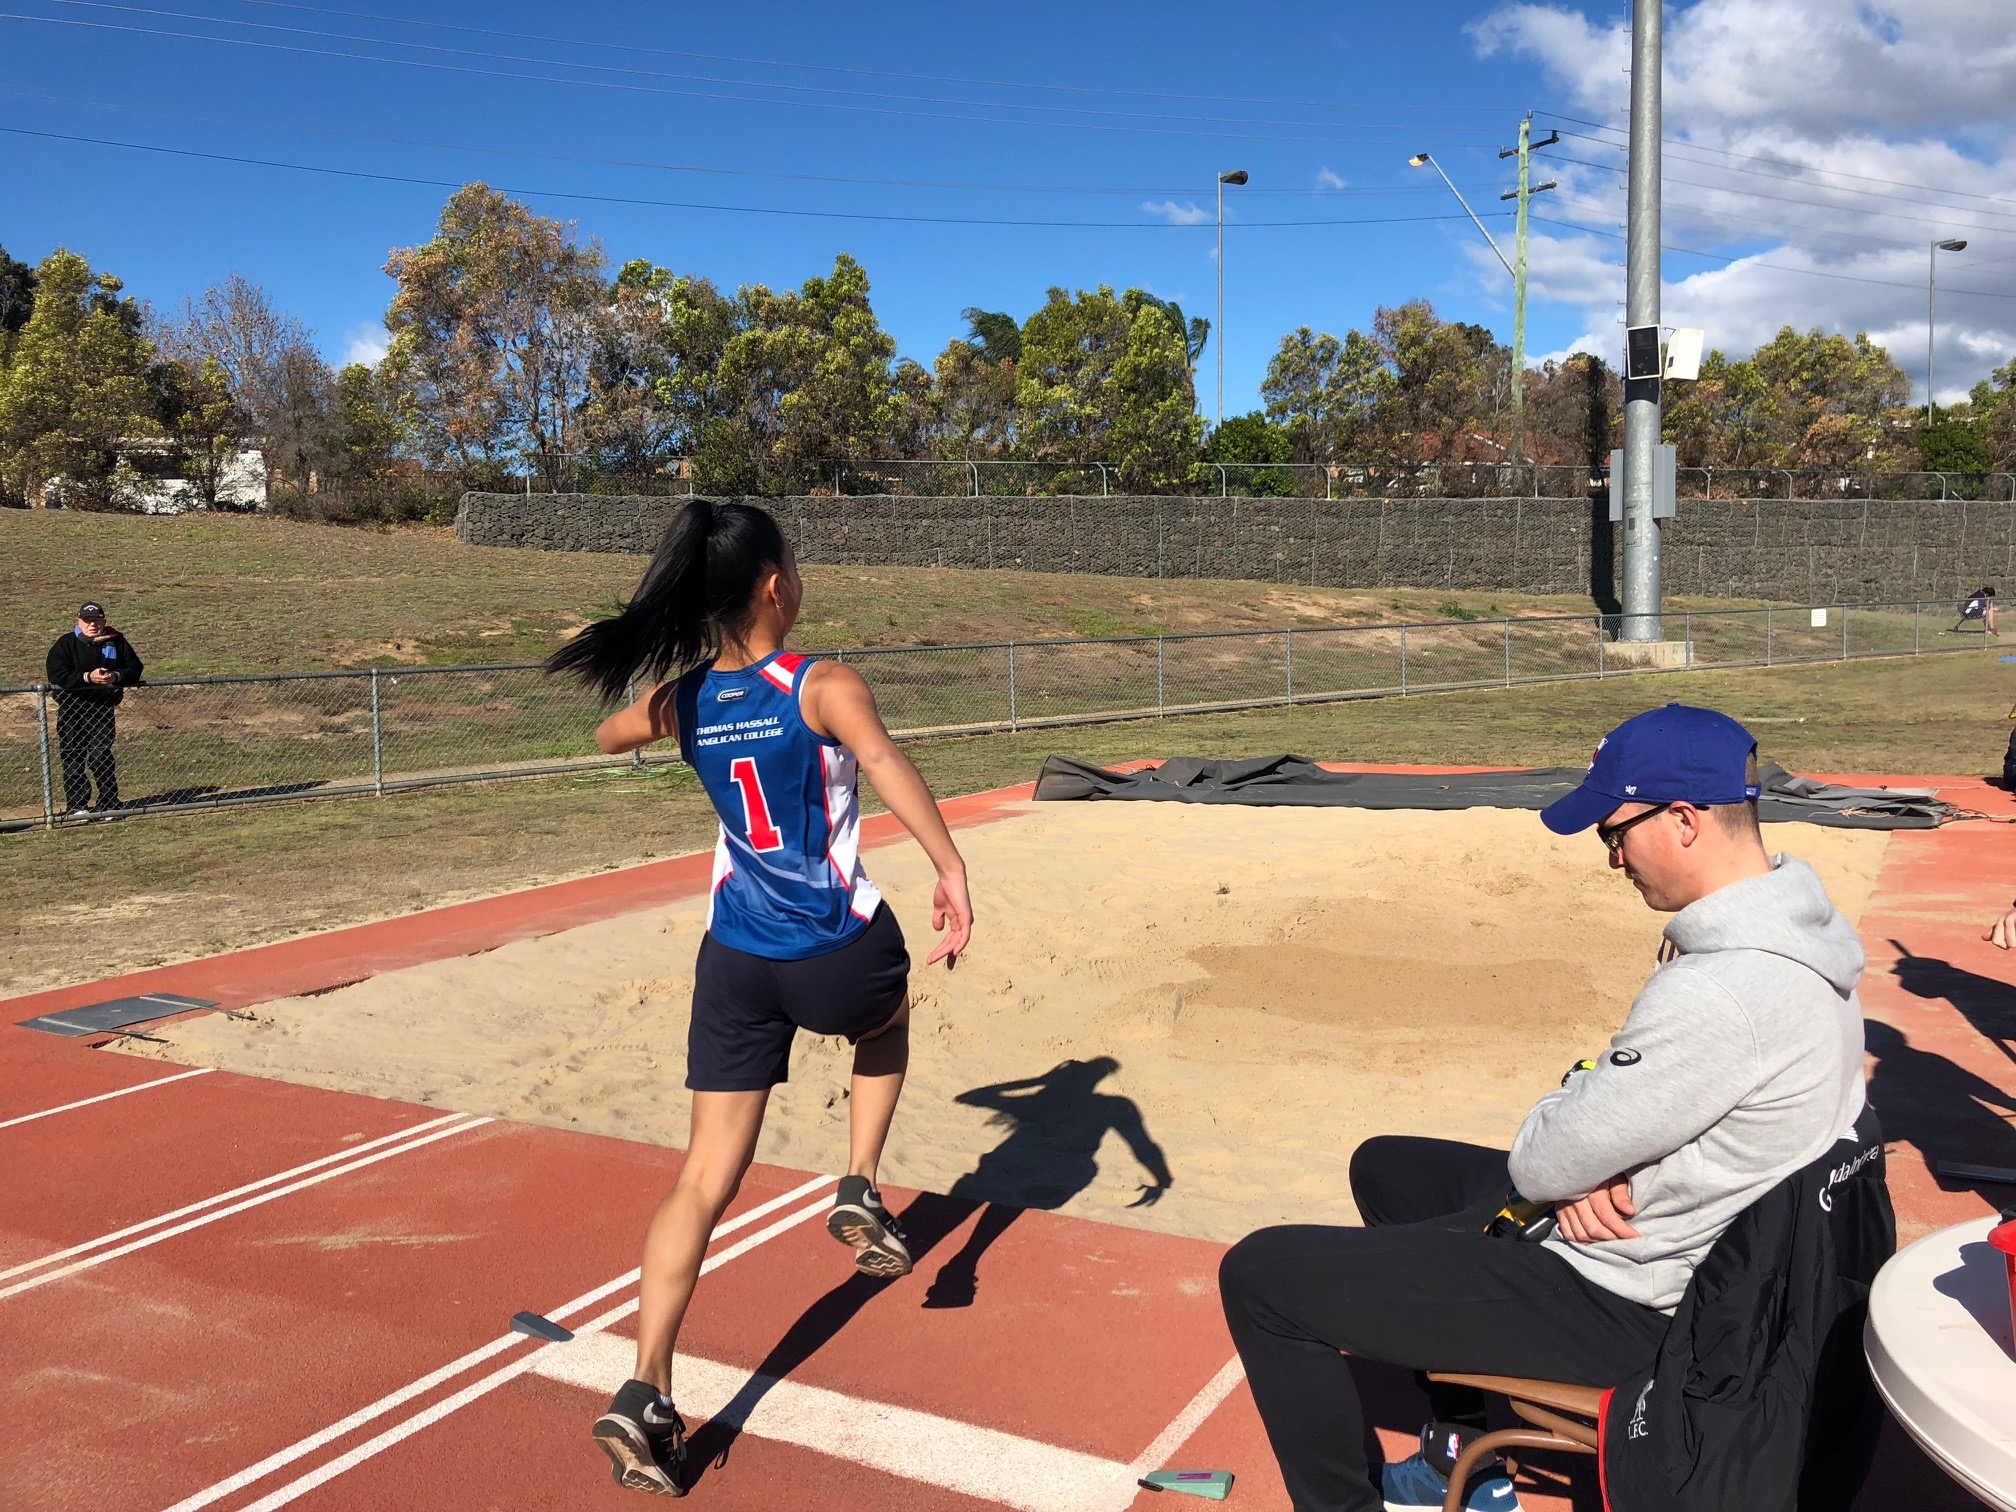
85, 1102
237, 1207
396, 1399
399, 1432
251, 1186
920, 1446
1157, 1455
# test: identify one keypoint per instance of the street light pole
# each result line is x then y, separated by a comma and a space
1931, 288
1236, 176
1641, 308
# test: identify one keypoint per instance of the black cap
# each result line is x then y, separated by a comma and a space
91, 612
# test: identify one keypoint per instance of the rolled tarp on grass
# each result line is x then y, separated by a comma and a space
1296, 780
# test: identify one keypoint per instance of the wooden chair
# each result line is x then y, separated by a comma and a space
1563, 1417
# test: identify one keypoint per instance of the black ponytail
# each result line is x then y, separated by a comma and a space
698, 593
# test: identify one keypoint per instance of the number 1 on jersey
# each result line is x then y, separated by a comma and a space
763, 835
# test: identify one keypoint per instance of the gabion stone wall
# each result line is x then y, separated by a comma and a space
1797, 550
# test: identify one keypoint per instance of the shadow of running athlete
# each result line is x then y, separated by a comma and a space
1056, 1123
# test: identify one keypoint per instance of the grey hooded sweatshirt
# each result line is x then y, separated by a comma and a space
1740, 1062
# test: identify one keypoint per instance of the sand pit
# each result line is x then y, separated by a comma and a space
1236, 996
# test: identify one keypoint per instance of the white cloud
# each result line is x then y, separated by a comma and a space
366, 343
1805, 137
1186, 214
1325, 179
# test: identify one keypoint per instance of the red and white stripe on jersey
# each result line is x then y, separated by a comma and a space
781, 671
843, 830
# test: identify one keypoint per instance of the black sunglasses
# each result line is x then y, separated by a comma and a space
1612, 835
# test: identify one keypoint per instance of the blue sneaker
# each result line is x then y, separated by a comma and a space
1415, 1485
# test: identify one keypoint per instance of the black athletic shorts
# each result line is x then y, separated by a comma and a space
746, 1008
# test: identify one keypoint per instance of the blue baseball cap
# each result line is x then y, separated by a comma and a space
1678, 754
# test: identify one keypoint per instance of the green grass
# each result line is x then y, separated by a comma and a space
173, 887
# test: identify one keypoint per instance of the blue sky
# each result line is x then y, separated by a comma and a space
1321, 106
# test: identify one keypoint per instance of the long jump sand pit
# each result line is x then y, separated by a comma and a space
1177, 1017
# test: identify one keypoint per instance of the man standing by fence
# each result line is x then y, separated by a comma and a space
90, 667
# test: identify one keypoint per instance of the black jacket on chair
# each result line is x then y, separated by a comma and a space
1760, 1400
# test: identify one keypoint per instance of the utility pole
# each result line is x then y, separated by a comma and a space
1525, 192
1641, 310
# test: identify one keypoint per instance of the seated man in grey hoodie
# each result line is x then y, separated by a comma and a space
1740, 1062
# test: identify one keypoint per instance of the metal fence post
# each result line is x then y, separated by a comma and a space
1689, 633
377, 741
630, 697
1288, 645
1917, 617
1508, 652
1601, 655
1403, 658
1767, 637
42, 725
1014, 716
1844, 632
1161, 677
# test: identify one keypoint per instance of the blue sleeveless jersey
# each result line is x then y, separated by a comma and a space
788, 882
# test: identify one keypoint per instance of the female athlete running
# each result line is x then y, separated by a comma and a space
797, 936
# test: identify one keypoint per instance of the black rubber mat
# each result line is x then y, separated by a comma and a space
118, 1013
1296, 780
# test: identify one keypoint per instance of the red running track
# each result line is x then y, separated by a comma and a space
309, 1301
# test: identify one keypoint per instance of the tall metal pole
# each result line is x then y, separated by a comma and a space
1525, 193
1931, 288
1233, 176
1220, 331
1641, 308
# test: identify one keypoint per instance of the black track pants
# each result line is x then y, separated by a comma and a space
1421, 1286
84, 733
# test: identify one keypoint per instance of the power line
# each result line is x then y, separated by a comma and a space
667, 167
1723, 257
873, 73
1796, 169
1823, 204
621, 199
660, 89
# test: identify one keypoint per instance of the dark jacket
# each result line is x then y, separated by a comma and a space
1760, 1400
73, 656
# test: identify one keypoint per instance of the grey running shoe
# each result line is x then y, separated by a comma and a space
646, 1443
859, 1221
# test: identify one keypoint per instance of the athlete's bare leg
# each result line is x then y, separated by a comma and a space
723, 1142
880, 1060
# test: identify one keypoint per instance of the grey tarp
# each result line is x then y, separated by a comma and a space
1297, 780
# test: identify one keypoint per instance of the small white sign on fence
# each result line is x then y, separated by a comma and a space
1819, 619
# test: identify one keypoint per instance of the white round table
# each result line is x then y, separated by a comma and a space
1940, 1350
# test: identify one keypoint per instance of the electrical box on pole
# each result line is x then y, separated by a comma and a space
1683, 354
1665, 484
1641, 353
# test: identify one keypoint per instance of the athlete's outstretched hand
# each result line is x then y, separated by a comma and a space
2002, 932
951, 910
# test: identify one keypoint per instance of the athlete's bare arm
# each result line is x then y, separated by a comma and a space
836, 703
649, 718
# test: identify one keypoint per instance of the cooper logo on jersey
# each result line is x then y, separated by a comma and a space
788, 880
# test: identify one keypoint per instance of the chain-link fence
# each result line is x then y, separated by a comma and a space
191, 743
992, 478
